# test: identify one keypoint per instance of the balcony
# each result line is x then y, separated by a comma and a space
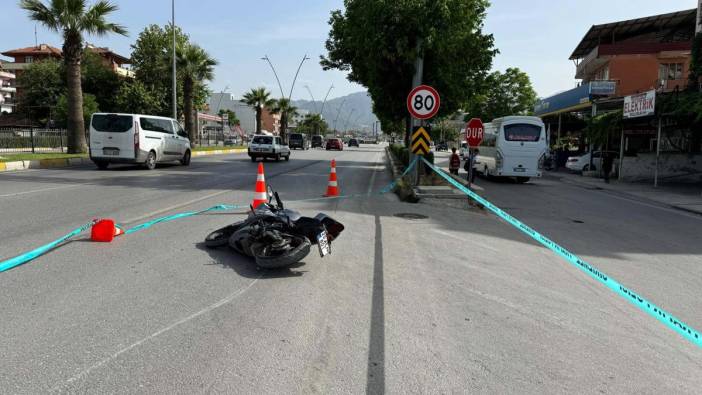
671, 85
15, 66
600, 55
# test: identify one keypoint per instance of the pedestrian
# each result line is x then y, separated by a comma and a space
607, 159
472, 154
454, 162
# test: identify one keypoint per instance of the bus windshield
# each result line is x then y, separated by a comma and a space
522, 132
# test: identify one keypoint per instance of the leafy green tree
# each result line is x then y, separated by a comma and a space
42, 84
134, 97
100, 81
195, 66
232, 119
313, 124
377, 42
73, 18
286, 110
508, 93
696, 63
152, 62
90, 107
258, 98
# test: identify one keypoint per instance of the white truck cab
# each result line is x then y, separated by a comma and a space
265, 146
134, 138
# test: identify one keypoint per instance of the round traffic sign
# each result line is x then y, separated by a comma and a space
423, 102
474, 132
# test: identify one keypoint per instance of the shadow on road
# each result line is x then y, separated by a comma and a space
246, 267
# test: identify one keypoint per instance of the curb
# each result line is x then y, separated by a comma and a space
69, 162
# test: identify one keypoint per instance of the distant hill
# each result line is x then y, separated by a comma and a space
356, 109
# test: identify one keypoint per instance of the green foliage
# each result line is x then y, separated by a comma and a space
685, 110
313, 124
258, 98
377, 41
232, 119
401, 153
508, 93
90, 106
100, 81
441, 131
42, 84
603, 126
152, 59
134, 97
284, 107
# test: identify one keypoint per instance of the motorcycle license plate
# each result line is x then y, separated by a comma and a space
323, 243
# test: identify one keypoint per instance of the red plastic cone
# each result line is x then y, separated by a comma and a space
104, 231
333, 185
260, 194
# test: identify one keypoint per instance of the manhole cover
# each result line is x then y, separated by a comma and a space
411, 216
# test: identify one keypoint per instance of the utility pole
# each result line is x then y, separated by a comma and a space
321, 113
338, 113
416, 81
267, 59
175, 95
698, 26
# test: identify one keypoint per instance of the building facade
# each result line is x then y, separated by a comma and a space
227, 101
7, 90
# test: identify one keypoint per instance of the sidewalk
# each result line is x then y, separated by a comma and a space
687, 197
69, 162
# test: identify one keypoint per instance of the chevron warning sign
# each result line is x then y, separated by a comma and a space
421, 140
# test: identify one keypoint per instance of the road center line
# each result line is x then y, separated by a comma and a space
222, 302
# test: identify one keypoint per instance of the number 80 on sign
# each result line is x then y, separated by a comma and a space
423, 102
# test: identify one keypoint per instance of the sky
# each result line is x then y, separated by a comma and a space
536, 36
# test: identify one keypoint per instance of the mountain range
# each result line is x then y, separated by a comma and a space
350, 112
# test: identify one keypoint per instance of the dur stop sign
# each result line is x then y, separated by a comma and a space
474, 132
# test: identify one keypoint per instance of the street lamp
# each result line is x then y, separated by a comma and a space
267, 59
339, 113
175, 96
348, 119
321, 113
314, 102
296, 73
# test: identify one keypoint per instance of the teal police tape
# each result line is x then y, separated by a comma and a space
37, 252
661, 315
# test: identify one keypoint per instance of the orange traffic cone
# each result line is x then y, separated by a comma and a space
260, 194
105, 230
333, 185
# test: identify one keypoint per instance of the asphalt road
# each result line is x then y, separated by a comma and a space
458, 302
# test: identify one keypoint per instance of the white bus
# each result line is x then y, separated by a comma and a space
513, 146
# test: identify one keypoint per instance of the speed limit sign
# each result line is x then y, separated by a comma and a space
423, 102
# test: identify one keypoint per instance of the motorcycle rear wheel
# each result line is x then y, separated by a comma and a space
269, 258
220, 237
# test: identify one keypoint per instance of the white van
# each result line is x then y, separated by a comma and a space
133, 138
513, 146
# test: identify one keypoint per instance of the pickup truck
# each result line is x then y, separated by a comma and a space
263, 146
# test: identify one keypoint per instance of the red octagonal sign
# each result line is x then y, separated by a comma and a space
474, 132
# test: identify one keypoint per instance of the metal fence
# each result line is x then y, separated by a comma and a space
32, 140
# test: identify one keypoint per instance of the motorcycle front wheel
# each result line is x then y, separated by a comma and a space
220, 237
292, 250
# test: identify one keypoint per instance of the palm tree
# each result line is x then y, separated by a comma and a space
258, 98
73, 18
286, 110
195, 66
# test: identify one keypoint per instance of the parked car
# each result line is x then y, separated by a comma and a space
135, 138
582, 163
229, 142
353, 143
298, 140
317, 141
335, 144
264, 146
442, 146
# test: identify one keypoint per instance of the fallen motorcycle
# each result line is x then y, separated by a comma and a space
277, 237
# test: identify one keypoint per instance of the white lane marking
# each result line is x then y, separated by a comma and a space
222, 302
372, 179
40, 190
466, 239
